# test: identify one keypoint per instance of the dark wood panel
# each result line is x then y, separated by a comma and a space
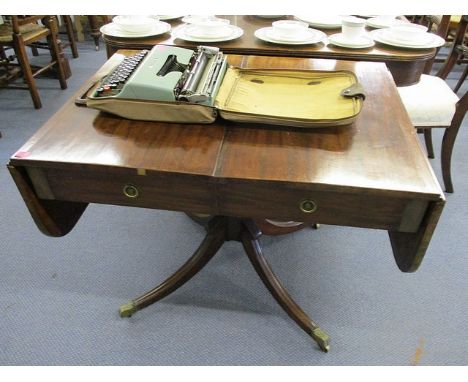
52, 217
282, 202
158, 190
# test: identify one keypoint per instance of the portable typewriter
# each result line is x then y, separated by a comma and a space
173, 84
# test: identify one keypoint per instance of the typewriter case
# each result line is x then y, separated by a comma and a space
186, 87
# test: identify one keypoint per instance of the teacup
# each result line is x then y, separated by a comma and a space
352, 27
289, 29
210, 27
134, 24
407, 32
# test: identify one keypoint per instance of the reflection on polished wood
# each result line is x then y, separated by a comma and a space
371, 174
406, 65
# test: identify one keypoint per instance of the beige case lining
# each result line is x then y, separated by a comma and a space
303, 98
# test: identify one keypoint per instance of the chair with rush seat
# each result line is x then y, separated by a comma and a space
23, 31
431, 103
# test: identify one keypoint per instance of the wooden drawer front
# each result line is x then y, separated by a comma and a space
155, 190
351, 209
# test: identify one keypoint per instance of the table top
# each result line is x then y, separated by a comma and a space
248, 44
380, 151
373, 173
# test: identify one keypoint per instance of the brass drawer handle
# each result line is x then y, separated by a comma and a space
308, 206
130, 191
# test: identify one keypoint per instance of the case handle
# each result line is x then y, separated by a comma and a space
355, 90
81, 100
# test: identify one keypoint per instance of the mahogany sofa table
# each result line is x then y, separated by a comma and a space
372, 174
406, 65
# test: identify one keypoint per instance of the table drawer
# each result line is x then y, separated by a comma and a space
179, 192
343, 208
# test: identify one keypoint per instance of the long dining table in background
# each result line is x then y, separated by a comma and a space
406, 65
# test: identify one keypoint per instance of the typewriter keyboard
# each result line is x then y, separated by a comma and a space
113, 83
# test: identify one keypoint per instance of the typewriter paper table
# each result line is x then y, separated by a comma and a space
371, 174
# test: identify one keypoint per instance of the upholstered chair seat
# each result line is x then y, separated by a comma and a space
431, 102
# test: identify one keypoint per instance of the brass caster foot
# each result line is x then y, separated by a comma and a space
126, 310
316, 226
321, 338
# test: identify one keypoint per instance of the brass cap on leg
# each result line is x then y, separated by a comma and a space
126, 310
322, 339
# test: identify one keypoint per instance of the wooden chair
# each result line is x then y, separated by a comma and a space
67, 21
22, 32
431, 103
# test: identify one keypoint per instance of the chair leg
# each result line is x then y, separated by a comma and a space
34, 51
57, 54
95, 33
448, 142
428, 140
71, 35
461, 80
22, 57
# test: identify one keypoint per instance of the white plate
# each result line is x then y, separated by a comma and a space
324, 22
361, 42
305, 34
193, 30
377, 22
418, 40
433, 40
313, 36
179, 32
113, 30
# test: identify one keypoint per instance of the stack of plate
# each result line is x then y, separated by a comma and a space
135, 27
308, 36
209, 29
420, 40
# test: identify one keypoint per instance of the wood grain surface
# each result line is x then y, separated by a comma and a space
372, 173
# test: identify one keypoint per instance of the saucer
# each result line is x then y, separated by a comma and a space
312, 36
194, 30
112, 29
324, 22
360, 42
430, 40
377, 22
235, 32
